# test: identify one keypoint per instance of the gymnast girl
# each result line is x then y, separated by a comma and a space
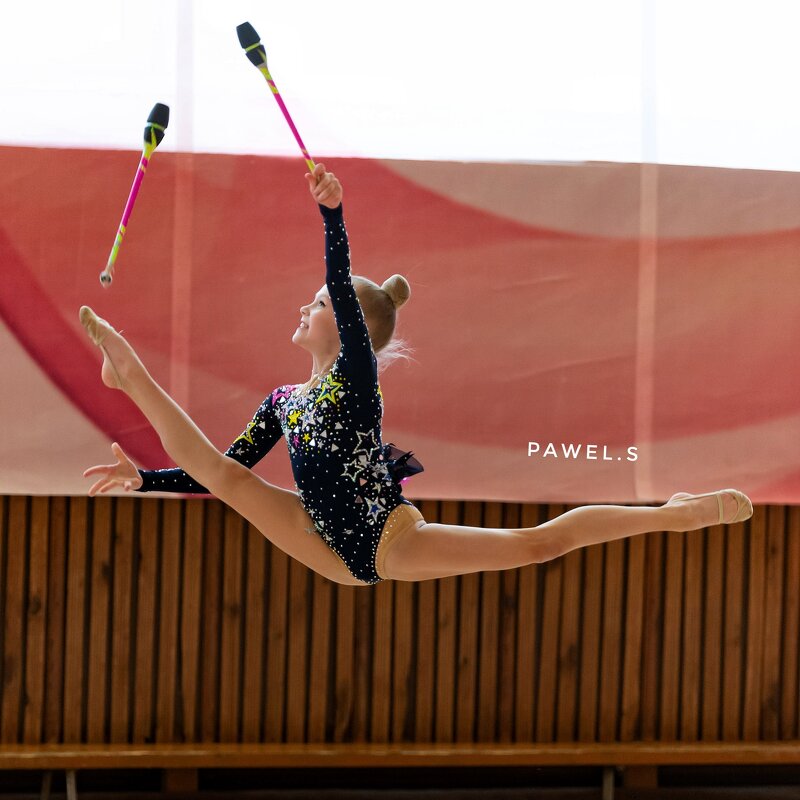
348, 519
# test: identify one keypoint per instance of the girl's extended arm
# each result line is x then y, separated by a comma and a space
255, 442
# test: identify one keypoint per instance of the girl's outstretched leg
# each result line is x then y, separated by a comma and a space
434, 550
275, 511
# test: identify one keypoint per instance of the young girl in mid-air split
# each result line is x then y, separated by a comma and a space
348, 519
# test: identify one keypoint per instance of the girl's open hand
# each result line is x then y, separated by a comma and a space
123, 474
324, 186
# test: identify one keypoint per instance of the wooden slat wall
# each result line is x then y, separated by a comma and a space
143, 620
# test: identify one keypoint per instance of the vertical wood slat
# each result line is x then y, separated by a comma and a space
191, 623
345, 667
591, 612
713, 634
466, 675
36, 612
791, 628
527, 640
13, 624
381, 691
425, 664
446, 643
773, 606
144, 708
5, 503
362, 677
297, 650
275, 691
568, 649
231, 627
509, 580
692, 638
548, 645
121, 639
651, 650
611, 655
74, 627
694, 635
757, 543
633, 654
255, 626
99, 597
734, 645
168, 589
404, 652
671, 648
211, 622
56, 643
489, 640
321, 650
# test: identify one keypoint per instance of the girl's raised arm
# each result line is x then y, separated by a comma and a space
357, 359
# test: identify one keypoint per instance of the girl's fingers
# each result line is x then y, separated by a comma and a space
327, 187
96, 486
99, 468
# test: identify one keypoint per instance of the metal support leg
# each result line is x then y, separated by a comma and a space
47, 782
608, 783
72, 792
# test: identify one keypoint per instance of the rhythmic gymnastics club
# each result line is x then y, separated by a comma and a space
255, 51
153, 134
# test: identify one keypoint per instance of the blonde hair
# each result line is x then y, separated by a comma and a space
379, 305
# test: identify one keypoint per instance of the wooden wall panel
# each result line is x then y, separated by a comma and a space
145, 620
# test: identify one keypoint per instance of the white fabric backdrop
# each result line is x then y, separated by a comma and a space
700, 82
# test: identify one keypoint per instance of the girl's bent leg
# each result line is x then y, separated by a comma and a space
434, 550
276, 512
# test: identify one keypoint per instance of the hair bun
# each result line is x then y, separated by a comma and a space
398, 289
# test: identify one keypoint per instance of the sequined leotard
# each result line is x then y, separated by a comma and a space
342, 471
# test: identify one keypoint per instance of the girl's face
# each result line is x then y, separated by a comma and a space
317, 330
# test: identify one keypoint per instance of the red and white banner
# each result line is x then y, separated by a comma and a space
581, 332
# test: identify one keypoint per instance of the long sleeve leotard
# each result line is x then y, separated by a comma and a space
342, 471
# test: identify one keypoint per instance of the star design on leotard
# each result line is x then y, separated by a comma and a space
352, 470
364, 438
279, 393
247, 436
374, 507
330, 387
294, 416
309, 416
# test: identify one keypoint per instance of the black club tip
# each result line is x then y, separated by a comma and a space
159, 115
247, 35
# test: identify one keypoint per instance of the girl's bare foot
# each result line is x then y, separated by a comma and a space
723, 507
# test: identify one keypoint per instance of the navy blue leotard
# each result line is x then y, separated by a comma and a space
343, 473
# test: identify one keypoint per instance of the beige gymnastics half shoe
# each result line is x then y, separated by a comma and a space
98, 329
744, 508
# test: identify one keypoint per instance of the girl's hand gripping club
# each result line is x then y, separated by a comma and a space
153, 134
250, 41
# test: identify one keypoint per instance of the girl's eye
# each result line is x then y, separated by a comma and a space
321, 303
